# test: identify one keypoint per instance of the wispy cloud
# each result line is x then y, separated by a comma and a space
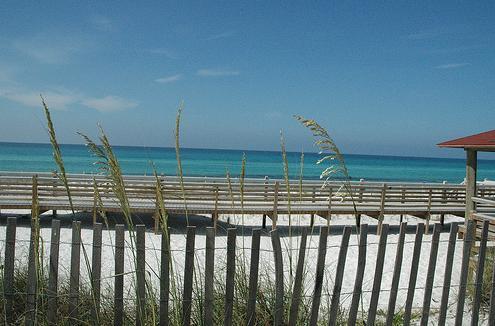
50, 49
165, 52
273, 115
453, 65
102, 23
59, 99
109, 103
217, 72
62, 99
427, 34
169, 79
456, 49
220, 35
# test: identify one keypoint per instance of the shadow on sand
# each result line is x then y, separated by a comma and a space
178, 224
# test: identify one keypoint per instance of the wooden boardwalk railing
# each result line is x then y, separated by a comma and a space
279, 317
259, 196
485, 212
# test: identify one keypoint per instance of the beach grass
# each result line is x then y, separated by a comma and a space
109, 164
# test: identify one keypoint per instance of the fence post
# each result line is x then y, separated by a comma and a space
479, 273
95, 201
54, 190
430, 276
296, 293
466, 253
209, 271
275, 206
278, 314
358, 283
428, 212
215, 213
32, 281
8, 272
447, 274
266, 198
96, 271
491, 313
444, 201
230, 277
156, 215
253, 277
329, 216
360, 201
188, 276
413, 275
164, 277
141, 274
339, 275
312, 216
320, 268
119, 275
75, 261
380, 257
396, 275
382, 209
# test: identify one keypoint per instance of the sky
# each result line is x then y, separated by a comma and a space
387, 78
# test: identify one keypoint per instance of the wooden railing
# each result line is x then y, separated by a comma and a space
259, 196
485, 212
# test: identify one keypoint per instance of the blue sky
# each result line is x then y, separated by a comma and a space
384, 78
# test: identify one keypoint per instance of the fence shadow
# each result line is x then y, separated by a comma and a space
178, 224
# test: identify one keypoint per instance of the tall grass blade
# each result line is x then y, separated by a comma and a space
57, 154
179, 162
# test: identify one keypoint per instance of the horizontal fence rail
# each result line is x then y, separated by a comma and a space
134, 306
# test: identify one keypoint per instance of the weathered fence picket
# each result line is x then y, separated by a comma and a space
491, 312
466, 253
119, 275
296, 293
209, 271
96, 271
358, 283
140, 274
75, 270
279, 279
447, 276
253, 276
32, 281
339, 275
188, 276
430, 274
229, 282
320, 268
396, 275
165, 278
8, 269
479, 273
413, 275
375, 292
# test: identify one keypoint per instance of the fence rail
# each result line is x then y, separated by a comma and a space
279, 315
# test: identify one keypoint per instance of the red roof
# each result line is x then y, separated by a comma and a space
484, 141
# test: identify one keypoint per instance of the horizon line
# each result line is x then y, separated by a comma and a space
247, 150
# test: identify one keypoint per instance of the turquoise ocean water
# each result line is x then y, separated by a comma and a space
212, 162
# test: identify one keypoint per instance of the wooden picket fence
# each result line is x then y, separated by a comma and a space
279, 317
